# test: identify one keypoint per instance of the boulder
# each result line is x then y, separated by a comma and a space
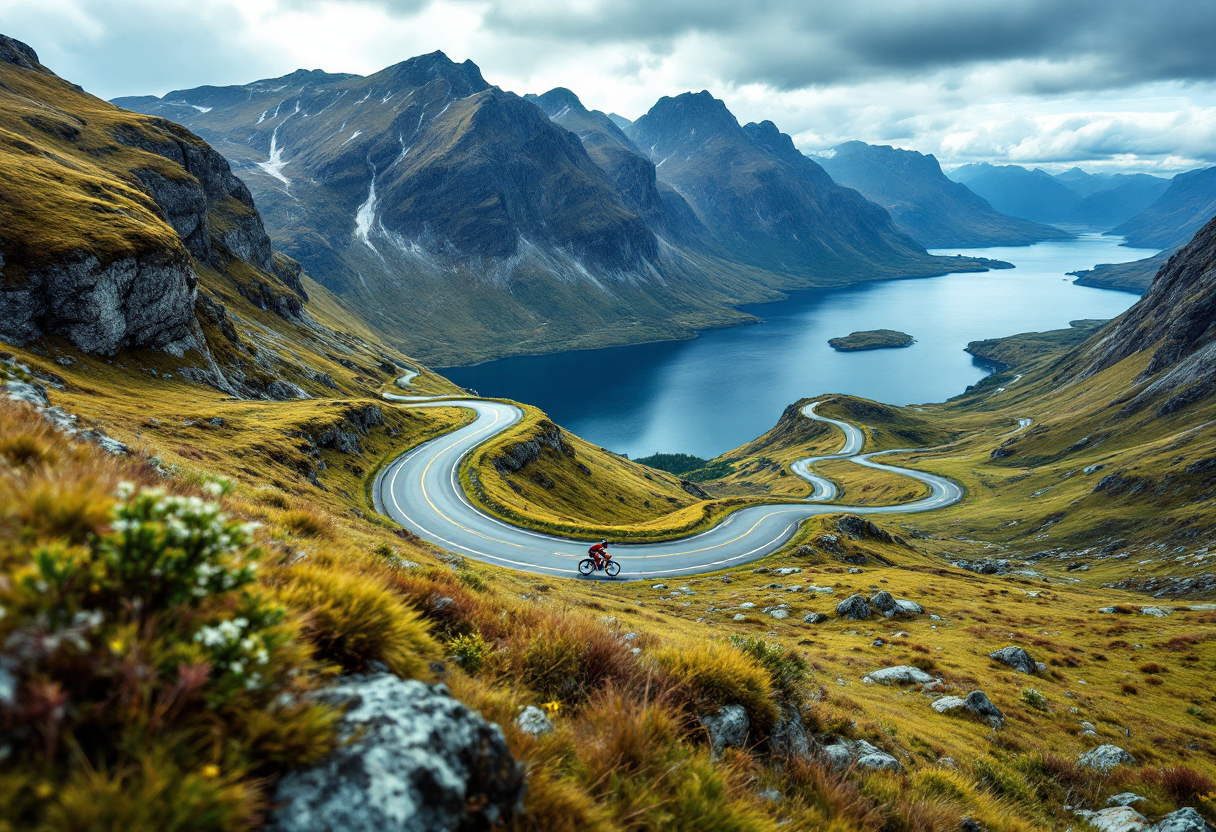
900, 675
980, 705
854, 607
532, 720
727, 728
858, 528
1125, 799
948, 703
789, 737
414, 759
779, 613
1115, 819
905, 607
1184, 820
1015, 657
1105, 757
844, 753
814, 618
884, 602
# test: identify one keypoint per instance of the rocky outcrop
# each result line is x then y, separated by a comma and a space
727, 728
1015, 657
854, 607
900, 675
858, 528
416, 760
145, 301
545, 436
1105, 757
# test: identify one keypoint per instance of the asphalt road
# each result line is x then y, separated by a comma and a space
421, 491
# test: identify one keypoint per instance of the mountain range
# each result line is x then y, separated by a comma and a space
467, 222
931, 208
1075, 197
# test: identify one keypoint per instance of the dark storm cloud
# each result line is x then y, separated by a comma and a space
794, 43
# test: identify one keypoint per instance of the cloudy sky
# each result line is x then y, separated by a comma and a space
1108, 84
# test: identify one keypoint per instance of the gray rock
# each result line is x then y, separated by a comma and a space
905, 607
854, 607
1088, 728
739, 616
883, 601
1125, 799
854, 571
1156, 612
1115, 819
727, 728
532, 720
789, 737
814, 618
659, 586
1015, 657
788, 570
1105, 757
837, 757
416, 760
822, 590
779, 613
900, 675
1184, 820
20, 391
948, 703
980, 705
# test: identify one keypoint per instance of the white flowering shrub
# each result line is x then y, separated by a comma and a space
167, 550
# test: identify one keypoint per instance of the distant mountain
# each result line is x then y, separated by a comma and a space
464, 222
1111, 198
924, 202
1029, 194
1171, 221
766, 202
619, 121
1074, 197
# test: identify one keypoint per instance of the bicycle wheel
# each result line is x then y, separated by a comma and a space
586, 566
613, 569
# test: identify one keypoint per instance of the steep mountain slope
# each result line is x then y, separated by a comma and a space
1183, 209
924, 203
121, 232
630, 170
765, 201
1014, 190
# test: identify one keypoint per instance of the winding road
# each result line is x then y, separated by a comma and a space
421, 490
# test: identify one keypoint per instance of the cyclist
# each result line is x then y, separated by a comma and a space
599, 553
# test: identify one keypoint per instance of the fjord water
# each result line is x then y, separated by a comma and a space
728, 386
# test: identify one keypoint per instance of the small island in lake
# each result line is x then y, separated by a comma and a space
872, 339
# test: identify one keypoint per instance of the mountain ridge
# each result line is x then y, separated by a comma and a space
931, 208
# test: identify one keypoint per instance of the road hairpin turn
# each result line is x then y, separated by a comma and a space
421, 490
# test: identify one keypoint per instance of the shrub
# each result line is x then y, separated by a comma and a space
1034, 699
469, 651
1182, 784
787, 670
143, 656
567, 658
710, 675
354, 620
1129, 689
1153, 667
308, 522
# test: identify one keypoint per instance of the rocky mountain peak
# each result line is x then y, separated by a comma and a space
463, 79
556, 100
15, 52
686, 116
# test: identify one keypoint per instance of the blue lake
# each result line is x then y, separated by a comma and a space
728, 386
